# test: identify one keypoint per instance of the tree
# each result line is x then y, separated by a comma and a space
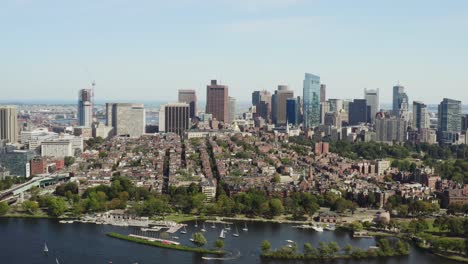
333, 247
56, 206
4, 207
30, 206
219, 243
324, 250
199, 239
347, 249
402, 210
69, 160
309, 250
276, 207
266, 246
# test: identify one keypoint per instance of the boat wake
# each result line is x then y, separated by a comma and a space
232, 257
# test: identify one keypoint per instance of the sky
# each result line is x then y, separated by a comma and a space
148, 49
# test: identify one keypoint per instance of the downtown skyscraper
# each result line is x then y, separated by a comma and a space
311, 100
400, 101
174, 118
420, 116
373, 101
449, 120
189, 97
279, 104
217, 102
85, 108
8, 124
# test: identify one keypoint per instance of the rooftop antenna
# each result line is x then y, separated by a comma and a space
93, 85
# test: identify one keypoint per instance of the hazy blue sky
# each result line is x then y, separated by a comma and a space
147, 49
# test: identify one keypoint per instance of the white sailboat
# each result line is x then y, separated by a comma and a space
203, 227
46, 249
56, 261
236, 234
245, 227
227, 226
213, 225
196, 223
222, 235
184, 231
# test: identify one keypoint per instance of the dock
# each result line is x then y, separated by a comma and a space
152, 239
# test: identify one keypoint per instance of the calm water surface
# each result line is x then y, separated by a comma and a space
22, 241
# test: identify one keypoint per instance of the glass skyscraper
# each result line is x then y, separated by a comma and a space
311, 92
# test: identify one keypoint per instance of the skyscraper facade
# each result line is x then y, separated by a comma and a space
359, 112
372, 99
450, 115
8, 124
400, 101
291, 111
323, 93
85, 108
420, 116
464, 122
217, 101
127, 119
232, 109
189, 97
174, 118
311, 100
279, 104
390, 129
335, 105
262, 102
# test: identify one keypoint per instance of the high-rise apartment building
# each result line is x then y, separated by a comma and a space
279, 104
232, 109
189, 97
127, 119
217, 102
372, 99
174, 118
390, 129
85, 108
420, 116
335, 105
359, 112
311, 100
8, 124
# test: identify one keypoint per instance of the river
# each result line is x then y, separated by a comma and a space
22, 241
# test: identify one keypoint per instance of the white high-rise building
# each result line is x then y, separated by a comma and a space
372, 100
85, 108
232, 109
126, 119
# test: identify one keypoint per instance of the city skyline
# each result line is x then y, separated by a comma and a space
145, 49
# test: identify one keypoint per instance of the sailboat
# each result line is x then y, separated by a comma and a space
46, 249
227, 227
236, 234
196, 223
222, 235
203, 228
56, 261
184, 231
213, 225
245, 227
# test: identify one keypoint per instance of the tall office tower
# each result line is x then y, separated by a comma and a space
400, 101
85, 108
335, 105
279, 104
291, 111
324, 109
8, 124
262, 102
372, 99
359, 112
311, 99
390, 129
449, 120
127, 119
232, 109
300, 110
109, 107
420, 116
323, 93
464, 122
217, 101
189, 97
174, 118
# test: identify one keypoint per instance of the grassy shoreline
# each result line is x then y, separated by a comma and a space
162, 245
